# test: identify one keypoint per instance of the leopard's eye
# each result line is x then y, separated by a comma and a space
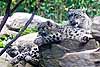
76, 16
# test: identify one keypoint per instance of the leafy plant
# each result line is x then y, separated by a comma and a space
4, 39
1, 44
29, 30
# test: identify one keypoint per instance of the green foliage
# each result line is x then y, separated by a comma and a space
55, 9
29, 30
2, 39
1, 44
2, 7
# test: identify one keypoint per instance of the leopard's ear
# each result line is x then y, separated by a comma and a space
83, 10
49, 23
70, 11
75, 10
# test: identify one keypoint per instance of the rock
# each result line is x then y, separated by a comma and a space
5, 29
4, 62
19, 19
74, 45
23, 65
96, 28
88, 58
26, 39
5, 56
28, 65
51, 54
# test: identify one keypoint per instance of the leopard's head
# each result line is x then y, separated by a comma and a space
44, 28
78, 18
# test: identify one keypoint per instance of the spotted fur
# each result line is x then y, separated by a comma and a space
50, 39
78, 18
25, 53
46, 28
65, 32
79, 34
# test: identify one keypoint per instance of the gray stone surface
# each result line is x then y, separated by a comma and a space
19, 19
26, 39
5, 29
4, 62
96, 27
51, 55
88, 58
74, 45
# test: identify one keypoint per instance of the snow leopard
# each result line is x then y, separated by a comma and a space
62, 33
79, 18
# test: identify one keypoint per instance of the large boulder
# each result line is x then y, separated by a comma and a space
5, 29
52, 53
96, 28
88, 58
18, 20
26, 39
4, 62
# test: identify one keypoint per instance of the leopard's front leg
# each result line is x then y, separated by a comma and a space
79, 34
52, 38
